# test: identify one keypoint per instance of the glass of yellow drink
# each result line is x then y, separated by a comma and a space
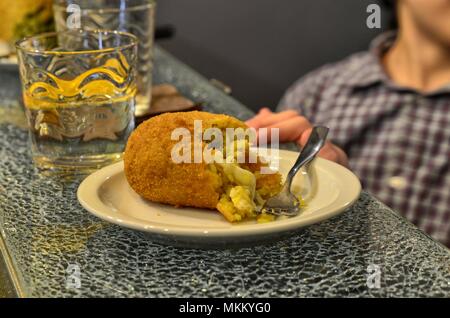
79, 92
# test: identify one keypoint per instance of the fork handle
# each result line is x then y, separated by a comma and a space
315, 142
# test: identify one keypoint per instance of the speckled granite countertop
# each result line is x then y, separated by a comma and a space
59, 250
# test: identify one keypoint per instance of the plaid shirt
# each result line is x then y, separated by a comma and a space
397, 139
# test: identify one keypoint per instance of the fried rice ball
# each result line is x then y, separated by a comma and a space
152, 174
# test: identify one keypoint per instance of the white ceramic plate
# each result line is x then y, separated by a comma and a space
107, 195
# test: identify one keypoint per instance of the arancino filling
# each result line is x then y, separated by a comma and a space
242, 188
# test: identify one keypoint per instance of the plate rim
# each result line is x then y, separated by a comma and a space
95, 180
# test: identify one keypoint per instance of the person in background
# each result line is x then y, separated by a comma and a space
388, 110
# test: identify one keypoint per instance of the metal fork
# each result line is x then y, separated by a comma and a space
286, 203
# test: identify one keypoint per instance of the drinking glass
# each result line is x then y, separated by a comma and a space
134, 16
79, 92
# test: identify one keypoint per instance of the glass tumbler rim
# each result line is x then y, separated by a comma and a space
111, 9
19, 44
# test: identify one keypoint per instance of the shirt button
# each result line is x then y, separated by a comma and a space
397, 182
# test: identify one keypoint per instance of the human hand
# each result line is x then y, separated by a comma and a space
294, 128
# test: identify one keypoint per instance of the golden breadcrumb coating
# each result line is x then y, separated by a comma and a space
151, 172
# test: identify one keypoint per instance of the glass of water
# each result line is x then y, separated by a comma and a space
133, 16
79, 92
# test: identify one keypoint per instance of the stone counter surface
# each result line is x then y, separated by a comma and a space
57, 249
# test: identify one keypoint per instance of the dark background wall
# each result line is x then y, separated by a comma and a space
259, 47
